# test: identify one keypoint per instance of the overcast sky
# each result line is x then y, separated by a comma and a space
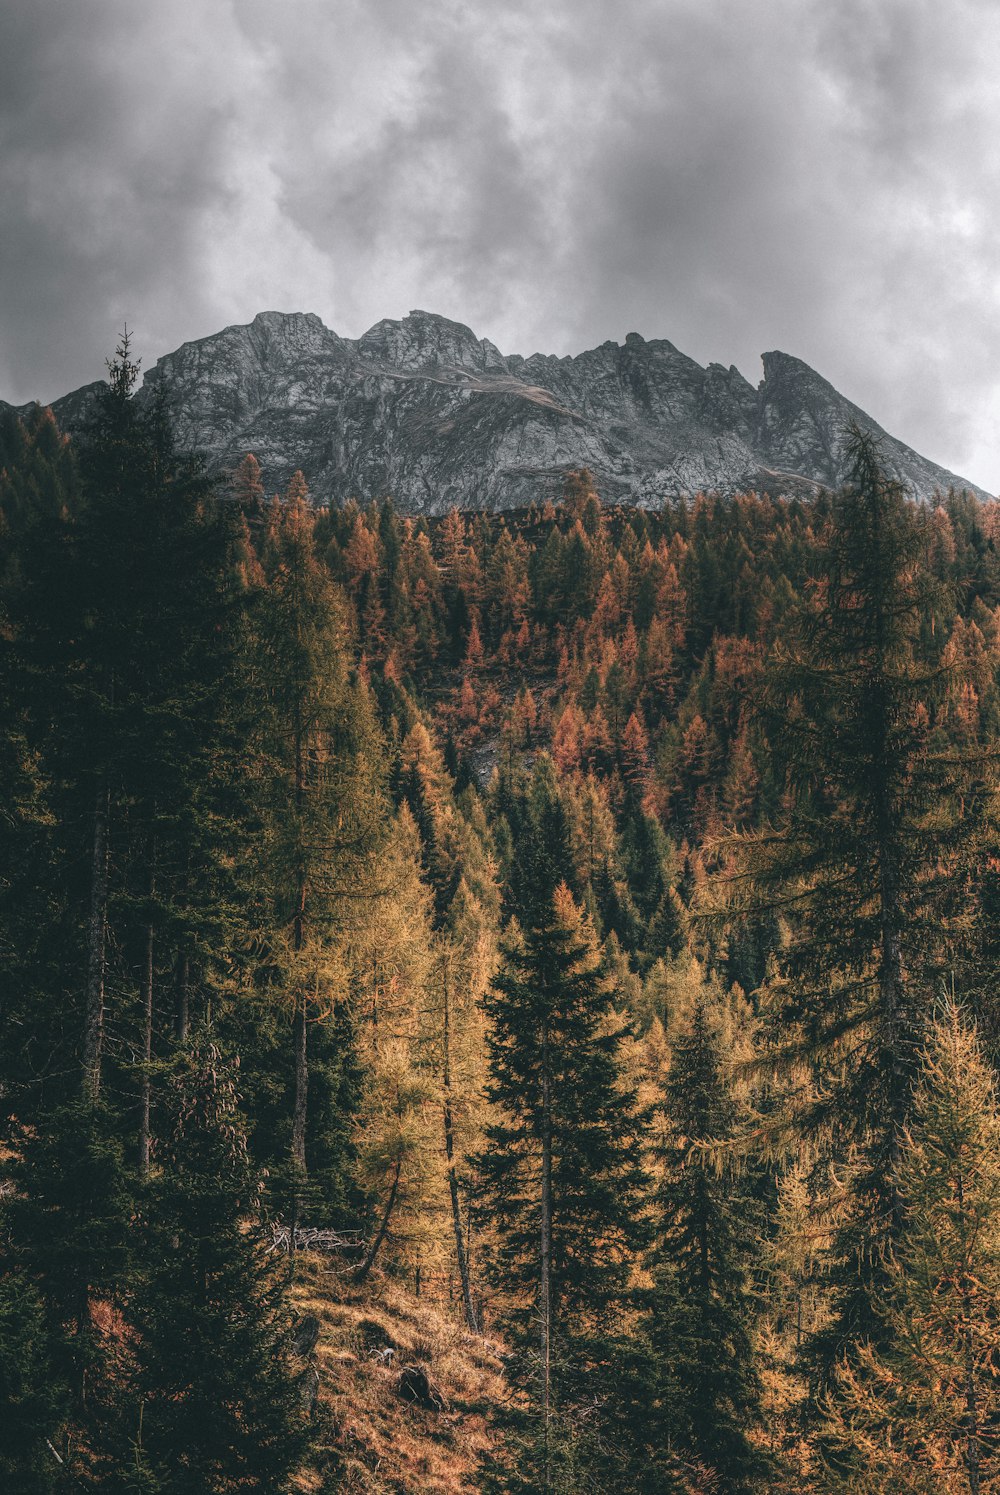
818, 177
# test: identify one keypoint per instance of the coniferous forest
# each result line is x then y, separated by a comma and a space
503, 1002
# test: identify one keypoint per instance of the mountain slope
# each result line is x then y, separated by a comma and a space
424, 410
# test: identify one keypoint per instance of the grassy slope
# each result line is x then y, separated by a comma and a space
369, 1439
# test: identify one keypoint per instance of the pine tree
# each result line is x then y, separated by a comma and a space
36, 498
217, 1402
561, 1184
543, 854
706, 1387
32, 1400
121, 620
67, 1207
123, 614
869, 866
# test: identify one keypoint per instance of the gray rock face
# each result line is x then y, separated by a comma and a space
424, 410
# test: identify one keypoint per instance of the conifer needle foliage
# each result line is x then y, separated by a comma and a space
528, 920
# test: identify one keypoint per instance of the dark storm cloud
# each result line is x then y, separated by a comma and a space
104, 175
788, 174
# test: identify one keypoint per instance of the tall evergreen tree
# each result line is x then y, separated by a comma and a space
706, 1388
218, 1407
867, 867
542, 847
562, 1185
32, 1398
38, 494
116, 627
66, 1212
120, 612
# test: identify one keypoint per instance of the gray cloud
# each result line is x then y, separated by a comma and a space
736, 178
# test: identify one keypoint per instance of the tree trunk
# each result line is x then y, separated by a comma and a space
300, 1026
545, 1258
93, 1033
972, 1434
373, 1250
182, 1015
300, 1111
146, 994
897, 1042
147, 1050
449, 1147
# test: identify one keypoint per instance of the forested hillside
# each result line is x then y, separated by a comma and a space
577, 926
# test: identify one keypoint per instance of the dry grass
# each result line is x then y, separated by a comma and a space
370, 1441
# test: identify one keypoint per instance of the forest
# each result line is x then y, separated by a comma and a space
582, 920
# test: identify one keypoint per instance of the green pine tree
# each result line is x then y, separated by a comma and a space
561, 1184
122, 616
32, 1399
706, 1389
217, 1404
869, 867
66, 1216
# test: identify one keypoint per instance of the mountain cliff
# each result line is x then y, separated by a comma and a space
424, 410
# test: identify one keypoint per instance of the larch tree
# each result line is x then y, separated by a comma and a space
465, 960
924, 1413
319, 760
392, 960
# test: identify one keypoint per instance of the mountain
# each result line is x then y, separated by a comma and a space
424, 410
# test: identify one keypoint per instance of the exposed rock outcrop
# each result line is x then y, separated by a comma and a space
424, 410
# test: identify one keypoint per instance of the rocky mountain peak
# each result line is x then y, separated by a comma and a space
423, 341
290, 334
423, 410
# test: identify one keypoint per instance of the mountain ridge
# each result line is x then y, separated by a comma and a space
425, 411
